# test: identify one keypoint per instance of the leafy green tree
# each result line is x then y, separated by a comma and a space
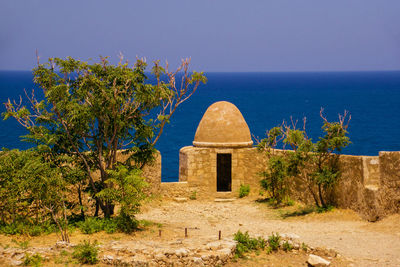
92, 111
28, 182
326, 172
316, 164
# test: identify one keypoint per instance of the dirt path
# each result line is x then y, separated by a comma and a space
363, 243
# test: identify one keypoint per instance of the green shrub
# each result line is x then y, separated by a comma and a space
247, 243
35, 260
126, 224
21, 244
273, 241
244, 190
193, 195
91, 225
24, 227
286, 246
110, 226
86, 252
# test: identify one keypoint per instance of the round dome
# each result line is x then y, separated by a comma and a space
222, 125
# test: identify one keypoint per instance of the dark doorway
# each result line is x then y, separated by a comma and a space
224, 172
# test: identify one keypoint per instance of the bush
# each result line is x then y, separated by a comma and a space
126, 224
247, 243
193, 195
286, 246
34, 260
244, 190
91, 225
315, 163
86, 252
273, 241
23, 227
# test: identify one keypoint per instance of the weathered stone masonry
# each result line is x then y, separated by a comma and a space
369, 185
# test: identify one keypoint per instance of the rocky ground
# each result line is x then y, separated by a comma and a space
340, 237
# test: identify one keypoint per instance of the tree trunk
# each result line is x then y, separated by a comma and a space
80, 201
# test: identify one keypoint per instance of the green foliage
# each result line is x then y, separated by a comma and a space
325, 208
286, 246
273, 241
86, 252
245, 243
193, 195
30, 187
36, 260
275, 178
21, 244
27, 228
304, 247
91, 225
126, 224
89, 113
316, 164
120, 223
244, 190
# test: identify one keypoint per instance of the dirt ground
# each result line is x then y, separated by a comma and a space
357, 242
360, 242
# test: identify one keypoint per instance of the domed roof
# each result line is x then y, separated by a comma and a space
222, 125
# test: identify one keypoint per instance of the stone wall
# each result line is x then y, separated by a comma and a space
151, 171
368, 185
198, 167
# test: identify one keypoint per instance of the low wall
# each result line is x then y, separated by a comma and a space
369, 185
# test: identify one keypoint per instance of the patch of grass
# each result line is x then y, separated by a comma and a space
21, 227
247, 243
244, 190
86, 252
121, 223
304, 247
325, 209
286, 246
302, 211
35, 260
273, 241
193, 195
21, 244
91, 225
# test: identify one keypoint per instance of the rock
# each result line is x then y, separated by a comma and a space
180, 199
224, 199
317, 261
181, 252
15, 262
62, 244
290, 236
224, 254
214, 245
19, 256
160, 256
197, 261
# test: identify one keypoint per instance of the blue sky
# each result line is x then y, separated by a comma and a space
219, 35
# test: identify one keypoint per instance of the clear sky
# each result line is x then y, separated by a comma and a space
219, 35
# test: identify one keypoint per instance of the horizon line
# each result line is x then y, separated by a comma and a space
260, 71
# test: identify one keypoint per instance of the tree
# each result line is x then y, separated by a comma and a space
316, 164
92, 111
29, 183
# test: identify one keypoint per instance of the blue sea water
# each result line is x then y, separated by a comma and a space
265, 100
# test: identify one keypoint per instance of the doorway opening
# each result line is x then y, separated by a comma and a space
224, 172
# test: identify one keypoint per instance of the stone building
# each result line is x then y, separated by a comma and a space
223, 157
216, 164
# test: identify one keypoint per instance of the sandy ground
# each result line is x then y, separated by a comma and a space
358, 242
362, 243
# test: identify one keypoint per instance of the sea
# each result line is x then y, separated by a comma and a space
265, 100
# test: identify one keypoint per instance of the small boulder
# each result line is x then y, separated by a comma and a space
317, 261
181, 252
